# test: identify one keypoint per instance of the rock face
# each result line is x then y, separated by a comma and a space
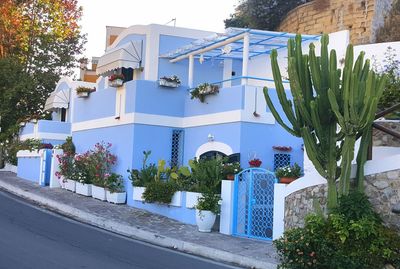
382, 189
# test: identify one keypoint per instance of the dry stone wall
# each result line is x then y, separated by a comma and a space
361, 17
382, 189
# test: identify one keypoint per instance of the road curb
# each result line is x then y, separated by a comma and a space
137, 232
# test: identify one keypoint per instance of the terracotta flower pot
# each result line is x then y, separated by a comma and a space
230, 177
287, 180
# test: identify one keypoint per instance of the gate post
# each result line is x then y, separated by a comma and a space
279, 210
54, 181
225, 226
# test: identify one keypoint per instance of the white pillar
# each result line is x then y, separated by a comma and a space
279, 210
246, 45
54, 181
225, 225
191, 68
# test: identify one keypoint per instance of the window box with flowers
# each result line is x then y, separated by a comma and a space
288, 174
83, 92
170, 82
116, 80
282, 148
202, 90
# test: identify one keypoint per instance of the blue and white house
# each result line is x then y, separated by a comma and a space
141, 115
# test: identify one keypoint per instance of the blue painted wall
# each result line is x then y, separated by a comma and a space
145, 97
29, 169
27, 129
48, 126
100, 104
227, 99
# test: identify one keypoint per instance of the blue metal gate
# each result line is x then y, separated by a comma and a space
253, 203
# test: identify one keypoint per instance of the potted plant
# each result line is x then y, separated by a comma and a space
170, 82
101, 161
65, 166
82, 174
115, 190
116, 80
230, 169
202, 90
82, 91
139, 178
288, 174
207, 209
255, 162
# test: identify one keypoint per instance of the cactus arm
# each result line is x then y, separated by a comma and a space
335, 108
278, 118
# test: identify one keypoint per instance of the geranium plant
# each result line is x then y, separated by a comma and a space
116, 76
290, 171
202, 90
255, 162
282, 148
229, 169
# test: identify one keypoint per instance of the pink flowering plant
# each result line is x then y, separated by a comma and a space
83, 169
66, 166
101, 162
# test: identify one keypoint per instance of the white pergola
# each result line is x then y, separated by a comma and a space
235, 43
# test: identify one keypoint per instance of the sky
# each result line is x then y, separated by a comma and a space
198, 14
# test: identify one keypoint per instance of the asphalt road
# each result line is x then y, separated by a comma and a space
32, 237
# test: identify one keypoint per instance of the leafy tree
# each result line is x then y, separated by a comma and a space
39, 42
261, 14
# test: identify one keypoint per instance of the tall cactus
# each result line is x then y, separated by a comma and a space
309, 114
355, 107
329, 111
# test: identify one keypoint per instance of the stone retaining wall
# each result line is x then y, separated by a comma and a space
361, 17
383, 190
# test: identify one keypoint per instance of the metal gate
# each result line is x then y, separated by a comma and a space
253, 203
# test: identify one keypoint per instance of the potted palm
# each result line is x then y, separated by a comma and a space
288, 174
115, 190
207, 209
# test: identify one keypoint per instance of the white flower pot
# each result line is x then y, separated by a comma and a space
176, 199
169, 84
205, 220
98, 193
116, 83
82, 94
191, 199
138, 193
84, 189
70, 185
116, 197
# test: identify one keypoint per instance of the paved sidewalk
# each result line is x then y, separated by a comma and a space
145, 226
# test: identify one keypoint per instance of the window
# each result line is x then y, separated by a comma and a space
281, 160
211, 154
177, 148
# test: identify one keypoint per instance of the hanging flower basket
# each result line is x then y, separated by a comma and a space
169, 82
116, 80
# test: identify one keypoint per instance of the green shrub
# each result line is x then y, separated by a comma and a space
349, 238
115, 183
139, 178
159, 191
207, 174
209, 201
68, 146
